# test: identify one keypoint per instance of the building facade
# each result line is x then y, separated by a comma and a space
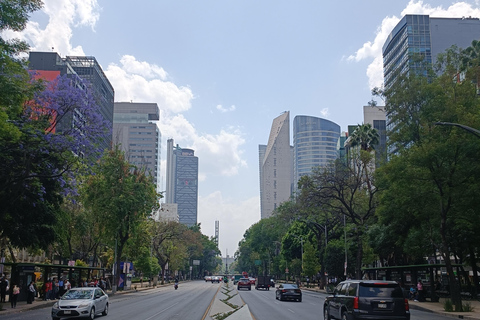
182, 182
135, 130
426, 37
275, 166
315, 144
88, 69
376, 116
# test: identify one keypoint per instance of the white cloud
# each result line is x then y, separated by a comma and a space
324, 112
235, 218
140, 81
57, 34
223, 110
373, 50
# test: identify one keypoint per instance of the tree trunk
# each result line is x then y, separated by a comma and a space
358, 262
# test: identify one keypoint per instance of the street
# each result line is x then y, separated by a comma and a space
191, 300
264, 306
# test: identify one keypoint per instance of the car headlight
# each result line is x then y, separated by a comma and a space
84, 305
55, 305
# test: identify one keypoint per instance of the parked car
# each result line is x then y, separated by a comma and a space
252, 280
367, 299
244, 283
83, 302
288, 291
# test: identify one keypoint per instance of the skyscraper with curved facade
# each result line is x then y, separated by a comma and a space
315, 143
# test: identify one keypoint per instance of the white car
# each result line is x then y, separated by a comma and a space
81, 303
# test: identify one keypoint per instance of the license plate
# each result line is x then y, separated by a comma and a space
67, 312
382, 305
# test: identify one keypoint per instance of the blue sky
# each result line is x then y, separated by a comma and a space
221, 71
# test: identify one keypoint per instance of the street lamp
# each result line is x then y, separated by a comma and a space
464, 127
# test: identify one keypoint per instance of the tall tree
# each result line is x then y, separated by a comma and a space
122, 195
435, 169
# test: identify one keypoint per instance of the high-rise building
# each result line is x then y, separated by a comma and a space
135, 130
315, 143
427, 37
88, 69
182, 182
275, 162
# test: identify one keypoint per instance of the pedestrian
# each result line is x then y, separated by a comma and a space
66, 285
56, 288
30, 293
48, 289
3, 288
420, 295
60, 288
14, 297
308, 282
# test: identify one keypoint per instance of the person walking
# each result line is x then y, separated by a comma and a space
14, 297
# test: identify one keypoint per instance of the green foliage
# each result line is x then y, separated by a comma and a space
121, 195
448, 305
81, 263
311, 264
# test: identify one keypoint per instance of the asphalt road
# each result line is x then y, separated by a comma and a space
190, 301
264, 306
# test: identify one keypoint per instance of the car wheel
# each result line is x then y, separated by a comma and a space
92, 313
300, 300
250, 288
55, 318
326, 314
281, 297
344, 315
105, 311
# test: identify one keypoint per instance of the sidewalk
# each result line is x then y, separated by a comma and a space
38, 304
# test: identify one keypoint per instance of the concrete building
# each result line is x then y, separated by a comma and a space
182, 182
315, 143
425, 36
167, 212
377, 117
135, 130
88, 69
275, 166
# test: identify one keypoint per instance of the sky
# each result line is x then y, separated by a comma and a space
221, 71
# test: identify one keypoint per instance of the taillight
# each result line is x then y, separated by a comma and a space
355, 303
297, 290
407, 307
284, 290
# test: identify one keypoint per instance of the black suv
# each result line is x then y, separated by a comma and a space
367, 299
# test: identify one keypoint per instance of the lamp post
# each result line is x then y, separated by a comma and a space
464, 127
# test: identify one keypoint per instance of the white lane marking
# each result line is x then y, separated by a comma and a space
290, 310
156, 314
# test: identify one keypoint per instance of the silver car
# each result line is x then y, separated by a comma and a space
81, 303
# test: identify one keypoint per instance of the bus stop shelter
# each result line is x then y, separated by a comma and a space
22, 274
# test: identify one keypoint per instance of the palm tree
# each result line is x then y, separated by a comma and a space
366, 137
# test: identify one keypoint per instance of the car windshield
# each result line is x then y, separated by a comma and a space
377, 290
77, 295
290, 286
